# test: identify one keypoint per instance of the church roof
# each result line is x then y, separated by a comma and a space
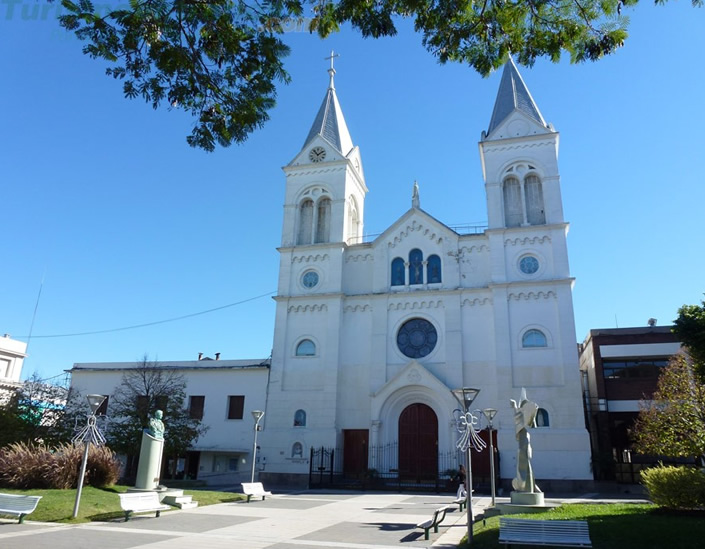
330, 123
513, 95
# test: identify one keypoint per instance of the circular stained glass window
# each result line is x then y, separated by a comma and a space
529, 264
310, 279
417, 338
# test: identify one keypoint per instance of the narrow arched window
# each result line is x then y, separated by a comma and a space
323, 221
398, 272
542, 419
534, 338
306, 348
513, 211
300, 418
415, 266
297, 450
433, 269
305, 222
533, 190
353, 223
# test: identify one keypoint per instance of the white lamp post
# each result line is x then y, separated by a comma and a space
489, 413
257, 415
466, 396
88, 433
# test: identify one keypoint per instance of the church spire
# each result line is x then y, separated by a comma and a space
330, 123
513, 95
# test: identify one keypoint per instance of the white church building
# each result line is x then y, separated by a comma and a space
370, 338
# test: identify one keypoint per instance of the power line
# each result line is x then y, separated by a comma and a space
135, 326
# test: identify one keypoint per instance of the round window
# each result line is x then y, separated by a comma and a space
417, 338
310, 279
528, 264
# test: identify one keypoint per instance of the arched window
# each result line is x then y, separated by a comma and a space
306, 348
297, 450
353, 223
305, 222
542, 418
534, 338
533, 190
323, 221
415, 266
398, 272
433, 269
513, 211
300, 418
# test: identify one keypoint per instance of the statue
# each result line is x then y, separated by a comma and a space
415, 201
524, 418
156, 426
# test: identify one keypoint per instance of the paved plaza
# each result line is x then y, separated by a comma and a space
308, 520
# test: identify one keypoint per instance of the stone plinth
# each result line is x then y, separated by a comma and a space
149, 466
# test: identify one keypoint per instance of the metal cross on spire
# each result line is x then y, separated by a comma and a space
331, 71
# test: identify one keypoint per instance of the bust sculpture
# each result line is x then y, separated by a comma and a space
156, 425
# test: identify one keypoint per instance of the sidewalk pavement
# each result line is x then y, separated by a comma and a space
304, 520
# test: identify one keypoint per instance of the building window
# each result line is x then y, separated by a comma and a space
542, 418
300, 418
634, 368
533, 190
297, 450
415, 266
236, 405
433, 269
513, 210
533, 338
398, 272
305, 222
353, 222
306, 348
195, 406
417, 338
323, 221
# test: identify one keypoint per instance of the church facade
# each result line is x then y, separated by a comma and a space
371, 337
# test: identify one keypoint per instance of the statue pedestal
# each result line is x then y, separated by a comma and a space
148, 469
525, 502
526, 498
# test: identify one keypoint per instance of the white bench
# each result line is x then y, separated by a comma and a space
460, 502
564, 533
141, 502
254, 489
438, 516
18, 505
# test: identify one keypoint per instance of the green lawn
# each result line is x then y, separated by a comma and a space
97, 504
616, 526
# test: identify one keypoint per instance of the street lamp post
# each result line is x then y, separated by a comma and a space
489, 413
257, 415
88, 434
466, 396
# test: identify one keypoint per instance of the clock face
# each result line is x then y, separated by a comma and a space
310, 279
417, 338
529, 264
317, 154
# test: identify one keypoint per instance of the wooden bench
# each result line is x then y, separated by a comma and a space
564, 533
438, 516
18, 505
254, 489
141, 502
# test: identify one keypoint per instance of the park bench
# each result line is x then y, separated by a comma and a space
141, 502
438, 516
254, 489
460, 502
18, 505
563, 533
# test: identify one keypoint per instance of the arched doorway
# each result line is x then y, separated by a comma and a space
418, 443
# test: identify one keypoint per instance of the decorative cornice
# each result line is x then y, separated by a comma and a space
430, 304
475, 248
356, 308
527, 240
416, 227
311, 258
359, 257
476, 301
515, 146
307, 308
293, 171
530, 295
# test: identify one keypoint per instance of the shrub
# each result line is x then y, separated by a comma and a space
675, 487
26, 466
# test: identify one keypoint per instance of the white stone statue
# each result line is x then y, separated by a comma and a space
524, 419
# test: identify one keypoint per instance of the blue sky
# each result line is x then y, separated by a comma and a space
103, 199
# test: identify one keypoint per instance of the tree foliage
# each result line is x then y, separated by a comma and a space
673, 422
220, 60
144, 390
690, 328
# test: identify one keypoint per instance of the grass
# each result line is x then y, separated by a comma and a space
616, 526
99, 504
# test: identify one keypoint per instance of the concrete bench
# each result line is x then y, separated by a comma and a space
564, 533
438, 516
18, 505
141, 502
254, 489
460, 502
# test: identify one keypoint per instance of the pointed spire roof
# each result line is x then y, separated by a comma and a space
513, 95
330, 123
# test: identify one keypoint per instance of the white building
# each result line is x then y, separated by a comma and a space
12, 355
370, 338
221, 392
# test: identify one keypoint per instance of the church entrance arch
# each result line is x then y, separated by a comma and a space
418, 443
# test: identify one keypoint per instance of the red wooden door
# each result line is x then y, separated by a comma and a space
418, 443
